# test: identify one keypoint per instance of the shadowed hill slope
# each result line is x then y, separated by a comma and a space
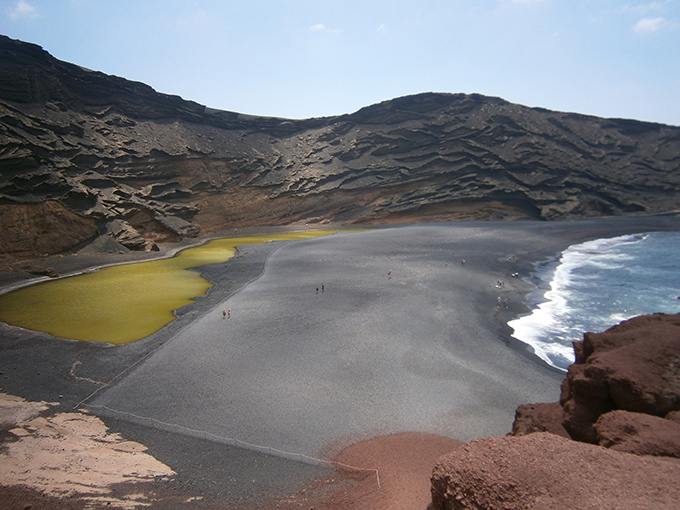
113, 157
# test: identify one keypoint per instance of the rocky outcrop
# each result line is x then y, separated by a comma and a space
547, 472
107, 149
631, 371
639, 433
632, 367
619, 418
126, 235
41, 228
531, 418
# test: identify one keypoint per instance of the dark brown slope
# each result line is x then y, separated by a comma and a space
145, 167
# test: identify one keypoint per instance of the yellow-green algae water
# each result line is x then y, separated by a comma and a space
125, 303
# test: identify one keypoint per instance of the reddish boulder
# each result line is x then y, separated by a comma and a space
638, 433
547, 472
532, 418
622, 393
585, 396
634, 366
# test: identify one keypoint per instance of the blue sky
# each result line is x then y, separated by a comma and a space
311, 58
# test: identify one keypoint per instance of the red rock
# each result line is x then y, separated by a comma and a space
547, 472
623, 392
634, 366
531, 418
641, 434
584, 398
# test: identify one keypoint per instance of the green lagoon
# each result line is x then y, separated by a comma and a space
124, 303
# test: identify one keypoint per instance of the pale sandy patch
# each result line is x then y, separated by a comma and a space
15, 410
71, 453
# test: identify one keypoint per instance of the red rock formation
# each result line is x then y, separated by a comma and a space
548, 472
623, 395
539, 418
639, 433
634, 366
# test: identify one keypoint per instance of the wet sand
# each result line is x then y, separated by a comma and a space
424, 350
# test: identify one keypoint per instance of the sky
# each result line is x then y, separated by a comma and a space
313, 58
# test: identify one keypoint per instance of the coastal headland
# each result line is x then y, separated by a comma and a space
333, 345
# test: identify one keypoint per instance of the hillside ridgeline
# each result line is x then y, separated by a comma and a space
114, 158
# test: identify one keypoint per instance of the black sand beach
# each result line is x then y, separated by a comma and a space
401, 337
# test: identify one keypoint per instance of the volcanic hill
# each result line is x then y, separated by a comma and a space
88, 157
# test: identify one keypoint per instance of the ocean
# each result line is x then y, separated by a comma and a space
595, 285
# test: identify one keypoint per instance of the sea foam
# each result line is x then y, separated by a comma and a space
595, 285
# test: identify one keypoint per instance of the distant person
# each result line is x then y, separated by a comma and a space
389, 275
323, 287
224, 313
462, 262
229, 313
317, 289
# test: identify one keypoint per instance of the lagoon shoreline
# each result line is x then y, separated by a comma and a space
38, 367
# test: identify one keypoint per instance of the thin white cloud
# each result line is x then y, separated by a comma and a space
22, 10
320, 27
382, 28
649, 25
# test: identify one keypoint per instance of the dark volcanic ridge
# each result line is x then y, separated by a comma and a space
87, 156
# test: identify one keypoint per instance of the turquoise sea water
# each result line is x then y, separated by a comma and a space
597, 284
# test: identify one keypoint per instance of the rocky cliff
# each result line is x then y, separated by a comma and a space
612, 441
105, 148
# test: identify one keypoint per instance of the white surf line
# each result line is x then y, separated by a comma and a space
230, 441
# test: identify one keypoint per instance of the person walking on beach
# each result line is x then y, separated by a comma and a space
317, 289
224, 313
229, 313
